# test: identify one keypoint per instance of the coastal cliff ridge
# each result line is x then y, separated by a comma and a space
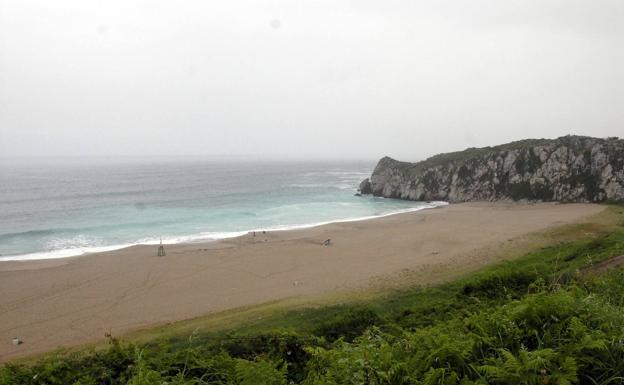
566, 169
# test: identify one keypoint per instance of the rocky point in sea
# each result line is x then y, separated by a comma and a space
566, 169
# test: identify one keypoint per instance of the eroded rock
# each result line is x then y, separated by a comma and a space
566, 169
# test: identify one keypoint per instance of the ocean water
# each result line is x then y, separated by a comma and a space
58, 209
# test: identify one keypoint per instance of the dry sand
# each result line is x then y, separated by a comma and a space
76, 300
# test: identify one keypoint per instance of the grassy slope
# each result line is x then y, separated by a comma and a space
270, 330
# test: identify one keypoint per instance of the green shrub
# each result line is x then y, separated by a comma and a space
261, 372
502, 282
349, 325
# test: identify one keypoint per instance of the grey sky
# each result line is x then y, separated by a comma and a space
299, 78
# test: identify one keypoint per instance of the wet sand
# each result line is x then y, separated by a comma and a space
71, 301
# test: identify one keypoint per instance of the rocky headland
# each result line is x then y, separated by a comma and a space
566, 169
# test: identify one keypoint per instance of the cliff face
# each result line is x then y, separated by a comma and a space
567, 169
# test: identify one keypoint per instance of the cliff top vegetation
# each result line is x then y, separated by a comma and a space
473, 153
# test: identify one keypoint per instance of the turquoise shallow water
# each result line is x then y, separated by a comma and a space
59, 209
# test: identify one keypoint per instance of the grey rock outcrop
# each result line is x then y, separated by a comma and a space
566, 169
365, 187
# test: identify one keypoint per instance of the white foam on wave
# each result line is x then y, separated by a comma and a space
193, 238
62, 253
429, 205
203, 237
341, 186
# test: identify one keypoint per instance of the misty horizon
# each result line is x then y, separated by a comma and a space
304, 80
274, 158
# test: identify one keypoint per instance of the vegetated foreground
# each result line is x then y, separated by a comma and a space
546, 318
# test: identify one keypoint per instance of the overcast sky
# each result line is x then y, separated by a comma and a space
303, 78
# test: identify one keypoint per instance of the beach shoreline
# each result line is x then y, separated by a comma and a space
76, 300
198, 239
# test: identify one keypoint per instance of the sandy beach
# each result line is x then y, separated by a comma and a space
65, 302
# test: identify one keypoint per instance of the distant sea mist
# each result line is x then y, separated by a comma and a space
61, 209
